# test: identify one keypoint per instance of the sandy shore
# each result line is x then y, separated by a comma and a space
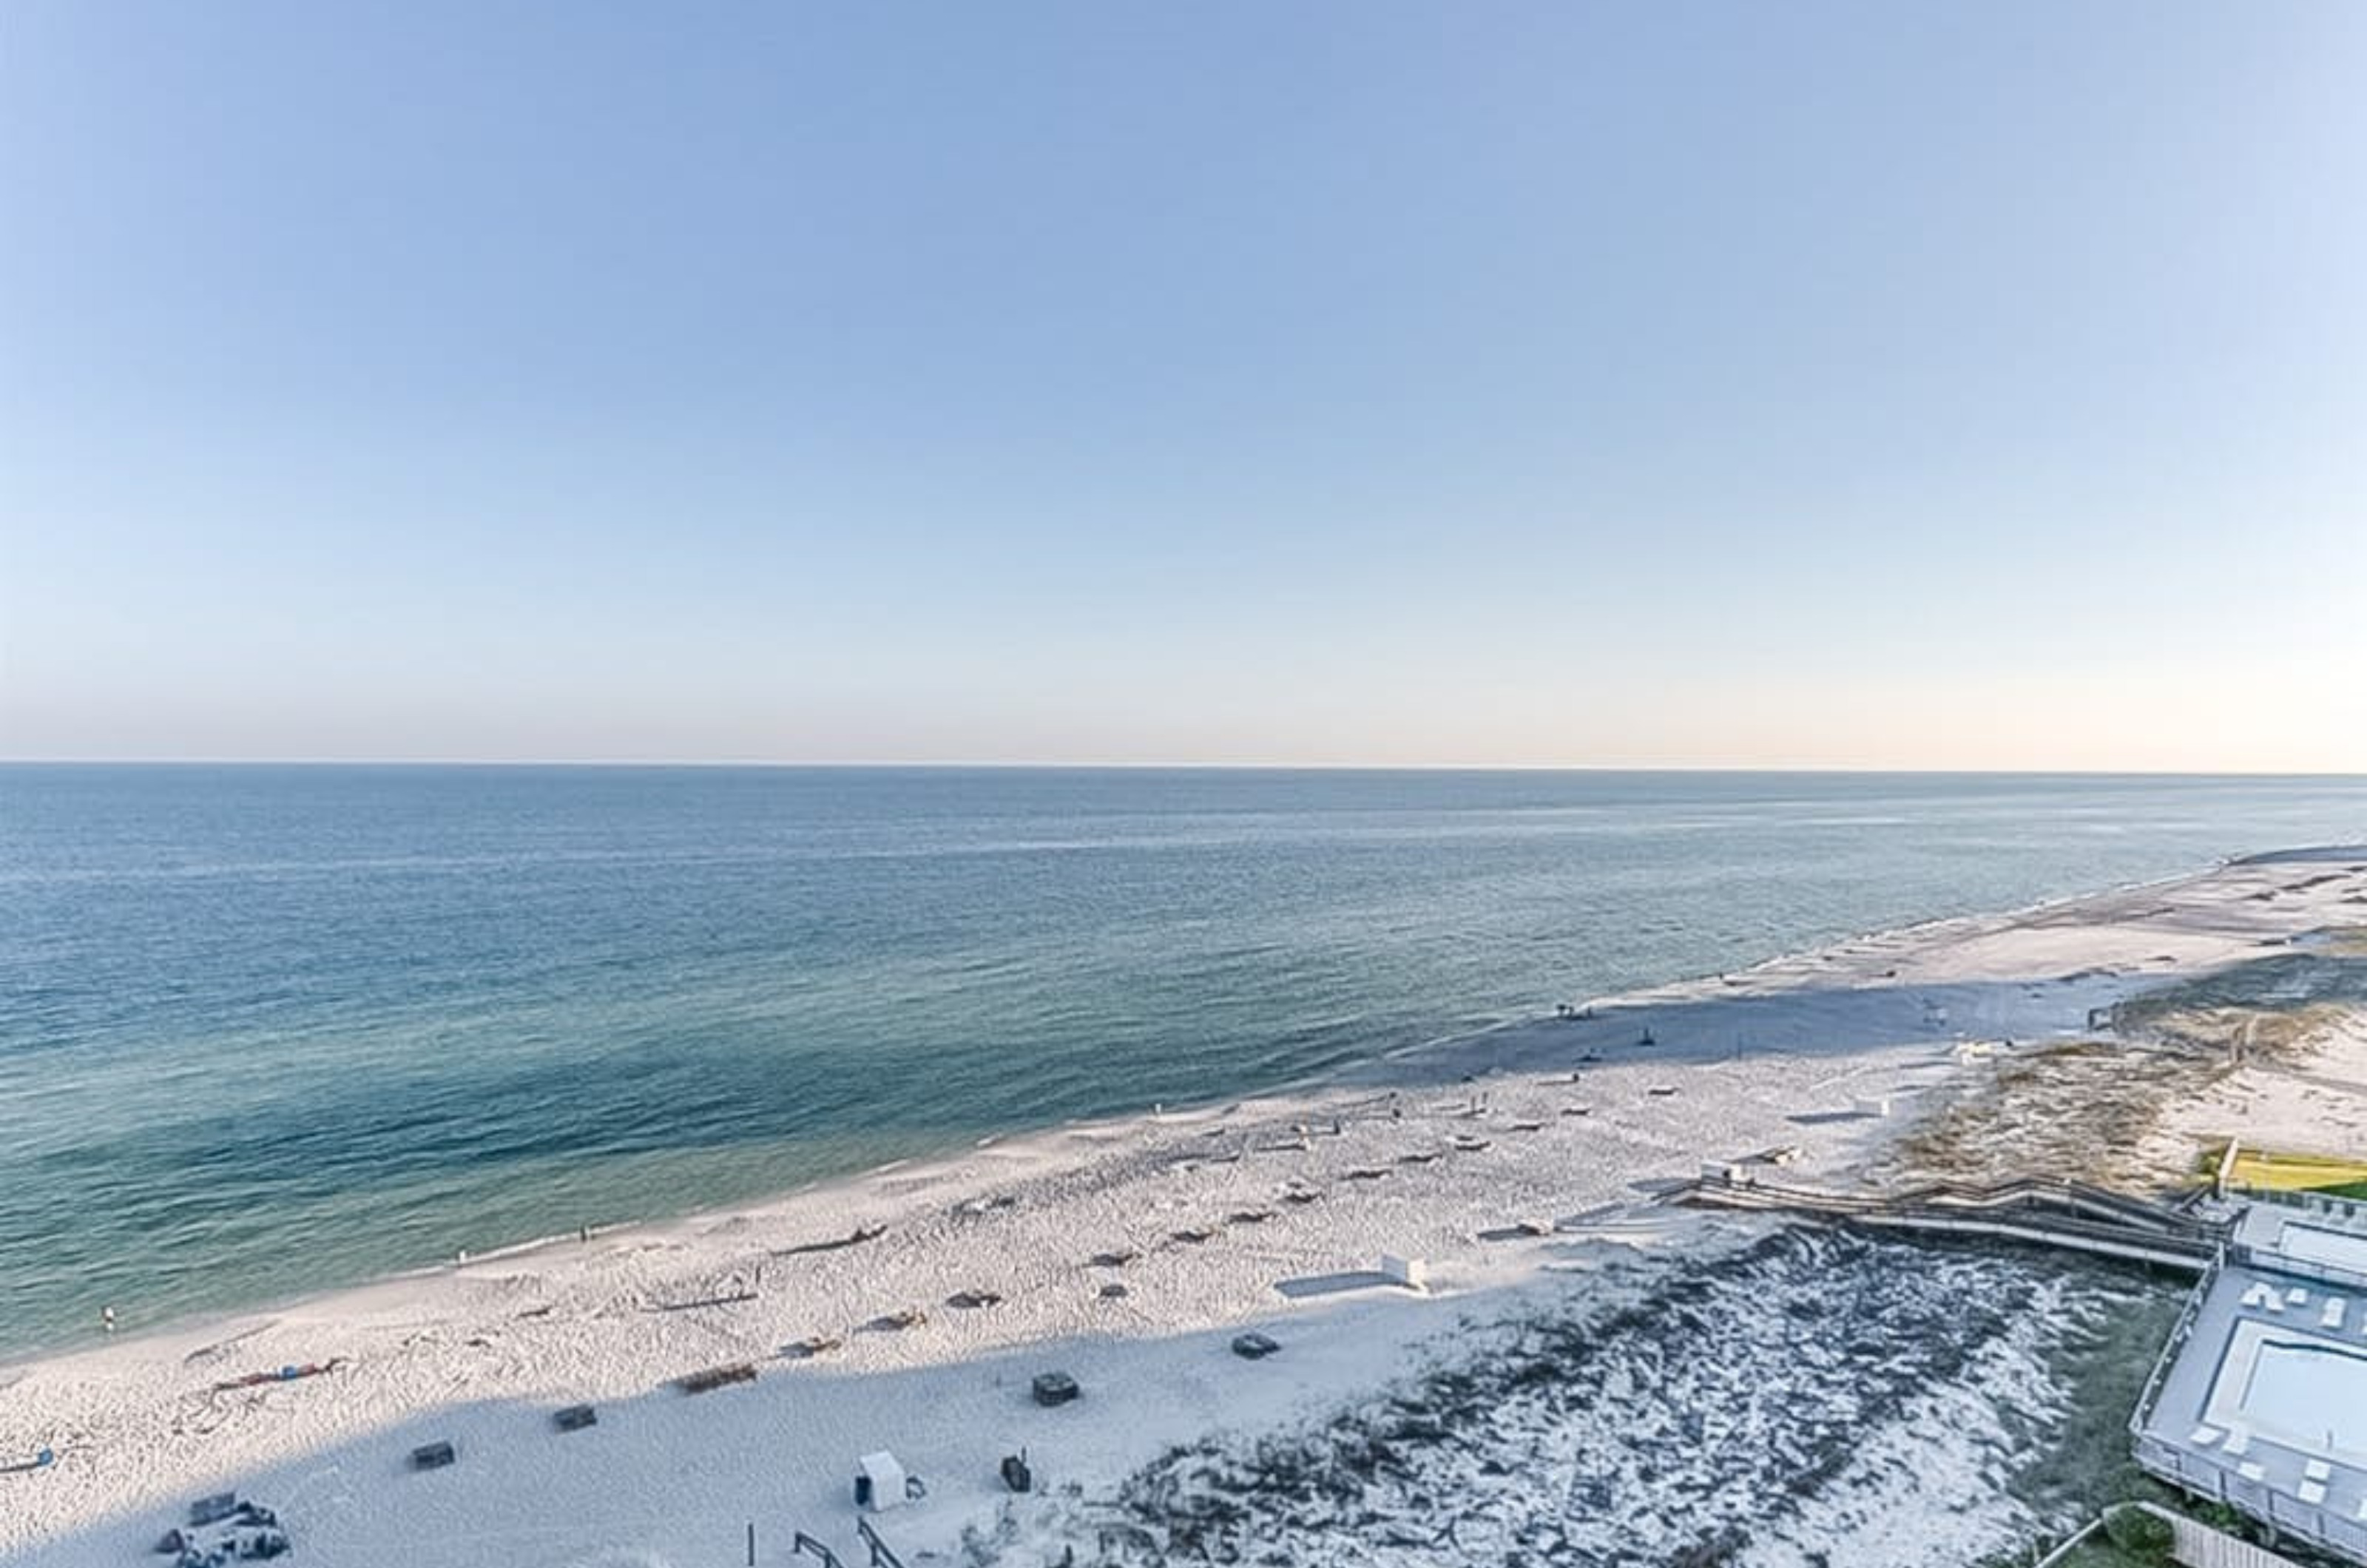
1200, 1217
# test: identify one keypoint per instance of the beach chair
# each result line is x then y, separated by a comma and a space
2331, 1315
713, 1378
813, 1344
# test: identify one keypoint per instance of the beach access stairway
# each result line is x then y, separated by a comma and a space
2068, 1214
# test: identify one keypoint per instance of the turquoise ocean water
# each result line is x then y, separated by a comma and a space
266, 1029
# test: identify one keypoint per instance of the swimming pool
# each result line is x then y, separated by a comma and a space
2300, 1389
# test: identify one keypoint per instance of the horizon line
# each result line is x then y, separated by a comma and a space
954, 765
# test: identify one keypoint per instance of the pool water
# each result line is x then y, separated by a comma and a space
2313, 1392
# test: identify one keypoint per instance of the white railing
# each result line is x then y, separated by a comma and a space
2179, 1332
2319, 1528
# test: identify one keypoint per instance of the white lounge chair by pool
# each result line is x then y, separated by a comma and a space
2332, 1317
2240, 1443
2316, 1470
2204, 1437
2310, 1491
2250, 1470
2297, 1297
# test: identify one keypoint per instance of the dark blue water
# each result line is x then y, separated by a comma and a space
265, 1029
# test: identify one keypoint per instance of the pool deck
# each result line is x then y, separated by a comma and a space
2287, 1448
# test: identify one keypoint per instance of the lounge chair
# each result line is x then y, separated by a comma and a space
813, 1344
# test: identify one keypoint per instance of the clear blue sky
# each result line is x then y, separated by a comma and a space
1692, 384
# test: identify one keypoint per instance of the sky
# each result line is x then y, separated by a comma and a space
1815, 385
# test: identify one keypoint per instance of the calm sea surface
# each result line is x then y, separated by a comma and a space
265, 1030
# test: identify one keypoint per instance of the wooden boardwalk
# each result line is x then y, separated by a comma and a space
2066, 1214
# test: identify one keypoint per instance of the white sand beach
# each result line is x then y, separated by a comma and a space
1129, 1253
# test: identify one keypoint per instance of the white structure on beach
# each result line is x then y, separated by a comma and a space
880, 1482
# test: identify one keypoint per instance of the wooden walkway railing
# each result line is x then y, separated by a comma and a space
2045, 1213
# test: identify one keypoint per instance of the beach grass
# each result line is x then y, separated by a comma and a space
2098, 1552
2087, 1465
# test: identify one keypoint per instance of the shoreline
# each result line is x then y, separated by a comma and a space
1557, 1118
82, 1334
1308, 1087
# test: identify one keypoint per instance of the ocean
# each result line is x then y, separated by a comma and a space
269, 1030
